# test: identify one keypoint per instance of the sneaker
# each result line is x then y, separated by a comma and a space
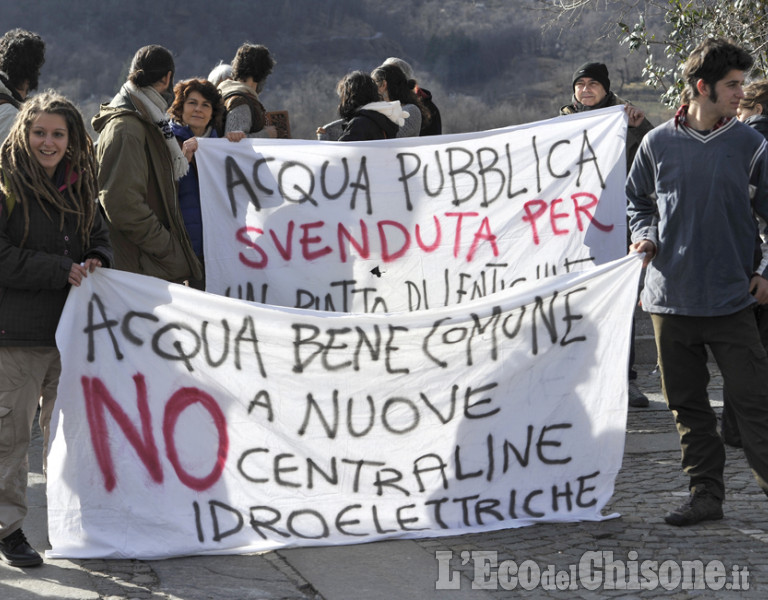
700, 506
636, 398
16, 551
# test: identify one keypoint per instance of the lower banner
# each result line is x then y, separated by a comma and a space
189, 423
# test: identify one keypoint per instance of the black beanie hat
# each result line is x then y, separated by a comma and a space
593, 70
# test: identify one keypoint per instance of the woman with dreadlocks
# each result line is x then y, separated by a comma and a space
51, 236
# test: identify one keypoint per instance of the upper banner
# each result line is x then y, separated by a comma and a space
191, 423
413, 223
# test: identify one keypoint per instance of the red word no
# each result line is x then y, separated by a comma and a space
98, 401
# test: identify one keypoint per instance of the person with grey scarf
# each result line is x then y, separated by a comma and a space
140, 164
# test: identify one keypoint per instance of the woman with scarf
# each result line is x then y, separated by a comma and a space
244, 111
51, 237
196, 112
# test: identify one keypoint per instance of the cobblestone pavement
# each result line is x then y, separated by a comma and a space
649, 483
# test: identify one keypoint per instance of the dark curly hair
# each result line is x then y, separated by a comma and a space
207, 90
356, 89
22, 54
400, 88
252, 60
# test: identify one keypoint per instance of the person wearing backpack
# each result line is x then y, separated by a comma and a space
244, 111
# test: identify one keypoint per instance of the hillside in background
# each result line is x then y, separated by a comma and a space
488, 64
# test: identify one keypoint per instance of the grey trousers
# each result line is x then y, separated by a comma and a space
28, 376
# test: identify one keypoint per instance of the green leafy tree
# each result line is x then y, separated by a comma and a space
685, 24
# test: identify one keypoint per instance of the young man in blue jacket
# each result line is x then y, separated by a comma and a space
692, 190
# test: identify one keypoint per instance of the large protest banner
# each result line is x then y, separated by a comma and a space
191, 423
413, 223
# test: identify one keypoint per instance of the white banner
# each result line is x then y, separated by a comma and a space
414, 223
189, 423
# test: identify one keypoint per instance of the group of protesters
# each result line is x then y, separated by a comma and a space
148, 217
695, 184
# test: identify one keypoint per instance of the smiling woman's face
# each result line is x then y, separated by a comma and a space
48, 140
197, 113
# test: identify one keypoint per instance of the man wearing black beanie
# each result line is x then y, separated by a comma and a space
596, 71
592, 90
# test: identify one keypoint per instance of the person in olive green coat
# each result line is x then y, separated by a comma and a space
140, 163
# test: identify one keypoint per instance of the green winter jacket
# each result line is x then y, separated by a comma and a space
139, 194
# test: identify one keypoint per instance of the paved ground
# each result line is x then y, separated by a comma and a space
649, 484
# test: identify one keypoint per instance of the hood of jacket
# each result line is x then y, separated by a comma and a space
391, 110
123, 103
758, 122
425, 95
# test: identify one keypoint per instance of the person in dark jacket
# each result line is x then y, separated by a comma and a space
752, 111
51, 236
197, 112
365, 116
753, 107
